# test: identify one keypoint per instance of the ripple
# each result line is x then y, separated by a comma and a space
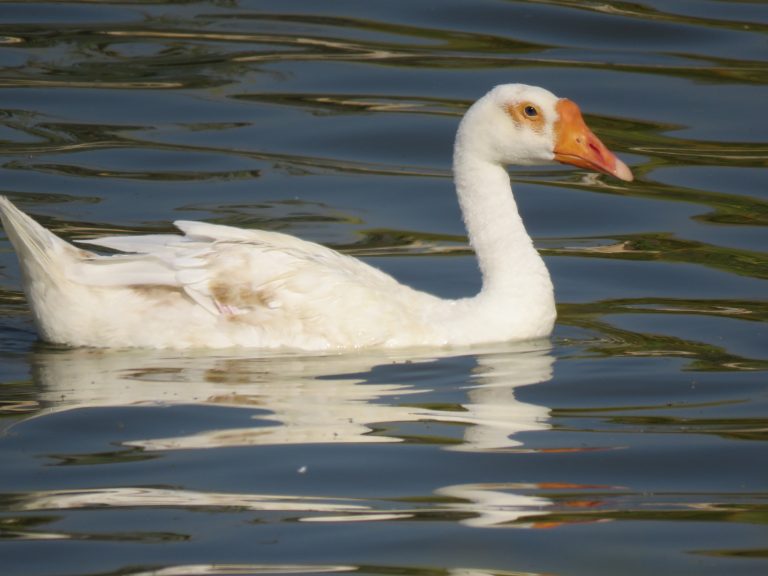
634, 438
238, 569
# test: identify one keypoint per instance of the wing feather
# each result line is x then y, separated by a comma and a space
232, 271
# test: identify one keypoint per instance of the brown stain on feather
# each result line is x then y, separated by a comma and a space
240, 296
157, 292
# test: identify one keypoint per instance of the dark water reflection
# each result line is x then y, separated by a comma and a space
632, 443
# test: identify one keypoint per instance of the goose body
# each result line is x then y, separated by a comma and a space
217, 286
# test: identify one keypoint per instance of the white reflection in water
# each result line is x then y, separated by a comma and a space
495, 505
311, 399
188, 499
237, 569
492, 411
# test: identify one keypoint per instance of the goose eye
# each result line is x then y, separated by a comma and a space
530, 111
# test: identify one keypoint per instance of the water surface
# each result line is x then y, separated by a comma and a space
632, 442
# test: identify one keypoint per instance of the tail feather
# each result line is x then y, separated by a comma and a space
34, 244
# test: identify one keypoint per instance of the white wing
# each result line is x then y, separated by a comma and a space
235, 272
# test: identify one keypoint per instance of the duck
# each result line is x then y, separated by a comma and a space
215, 286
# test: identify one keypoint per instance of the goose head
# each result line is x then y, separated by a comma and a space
527, 125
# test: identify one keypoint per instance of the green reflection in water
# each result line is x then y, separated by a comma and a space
101, 458
33, 528
157, 176
736, 553
667, 248
18, 527
16, 400
650, 13
615, 341
361, 103
741, 513
195, 52
729, 428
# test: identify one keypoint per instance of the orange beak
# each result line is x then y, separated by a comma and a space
576, 144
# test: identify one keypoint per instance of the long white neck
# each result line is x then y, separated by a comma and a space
511, 268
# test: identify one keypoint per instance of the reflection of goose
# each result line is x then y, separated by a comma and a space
493, 411
218, 286
496, 504
311, 399
304, 400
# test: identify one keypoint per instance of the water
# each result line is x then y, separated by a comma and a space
633, 442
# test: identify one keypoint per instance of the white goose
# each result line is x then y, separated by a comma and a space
218, 286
